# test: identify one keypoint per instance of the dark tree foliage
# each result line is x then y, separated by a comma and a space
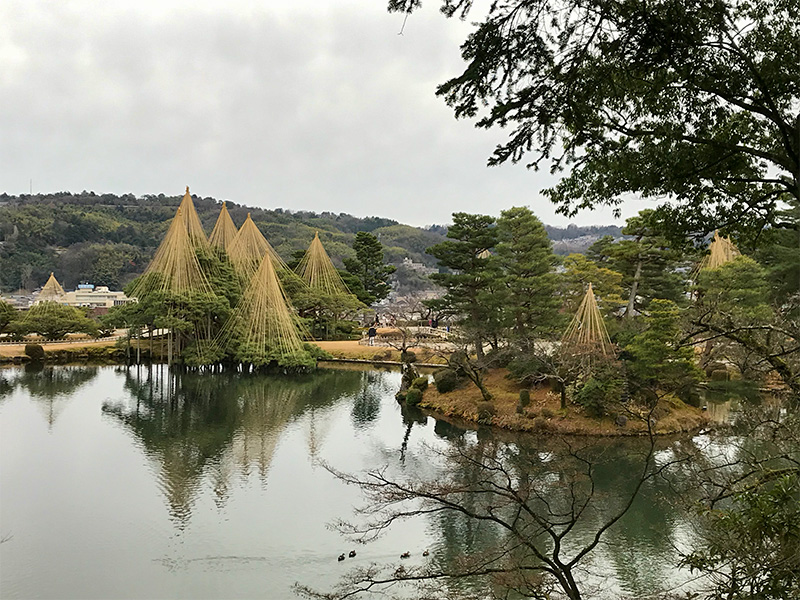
469, 284
53, 321
648, 262
529, 282
369, 268
7, 314
694, 101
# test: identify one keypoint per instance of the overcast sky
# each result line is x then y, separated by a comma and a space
299, 104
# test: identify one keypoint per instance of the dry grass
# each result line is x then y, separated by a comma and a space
18, 350
544, 413
351, 349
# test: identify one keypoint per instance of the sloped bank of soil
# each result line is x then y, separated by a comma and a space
544, 414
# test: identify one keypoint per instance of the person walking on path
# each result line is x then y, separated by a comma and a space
371, 333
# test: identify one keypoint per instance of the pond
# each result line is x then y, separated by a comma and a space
137, 482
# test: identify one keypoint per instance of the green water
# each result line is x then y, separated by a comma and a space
139, 483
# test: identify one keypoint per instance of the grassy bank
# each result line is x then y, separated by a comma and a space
544, 414
108, 350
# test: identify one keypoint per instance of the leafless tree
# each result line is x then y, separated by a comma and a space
539, 505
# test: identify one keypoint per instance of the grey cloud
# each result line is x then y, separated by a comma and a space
318, 110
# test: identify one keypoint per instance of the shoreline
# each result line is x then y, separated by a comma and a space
542, 416
345, 351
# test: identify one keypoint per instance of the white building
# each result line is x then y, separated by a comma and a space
94, 297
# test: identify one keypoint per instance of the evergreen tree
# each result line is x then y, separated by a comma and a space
473, 280
579, 272
657, 362
525, 257
54, 321
369, 268
7, 314
691, 101
647, 261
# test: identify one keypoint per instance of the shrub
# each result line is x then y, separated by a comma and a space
421, 383
524, 397
446, 380
34, 351
408, 356
596, 395
485, 412
527, 369
413, 396
547, 413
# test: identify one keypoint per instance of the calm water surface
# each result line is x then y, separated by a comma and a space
137, 483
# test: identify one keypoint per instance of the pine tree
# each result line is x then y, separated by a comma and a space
369, 268
473, 279
525, 256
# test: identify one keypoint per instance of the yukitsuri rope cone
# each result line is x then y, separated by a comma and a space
192, 222
249, 247
317, 270
175, 267
263, 324
51, 291
224, 231
720, 251
587, 334
50, 298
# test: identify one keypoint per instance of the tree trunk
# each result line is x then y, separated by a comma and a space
479, 348
634, 288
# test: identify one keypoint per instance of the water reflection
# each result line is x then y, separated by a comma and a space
234, 462
51, 387
226, 426
569, 488
6, 386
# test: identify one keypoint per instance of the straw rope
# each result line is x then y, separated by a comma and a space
720, 251
175, 267
194, 227
317, 270
263, 322
51, 291
224, 230
587, 332
249, 247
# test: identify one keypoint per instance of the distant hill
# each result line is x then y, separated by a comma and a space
109, 239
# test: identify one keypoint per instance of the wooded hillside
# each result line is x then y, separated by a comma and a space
109, 239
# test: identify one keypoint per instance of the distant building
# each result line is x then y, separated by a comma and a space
18, 300
94, 297
418, 267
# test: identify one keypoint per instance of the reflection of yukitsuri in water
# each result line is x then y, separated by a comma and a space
266, 405
52, 387
196, 427
334, 384
183, 420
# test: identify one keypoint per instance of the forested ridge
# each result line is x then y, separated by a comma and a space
109, 239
